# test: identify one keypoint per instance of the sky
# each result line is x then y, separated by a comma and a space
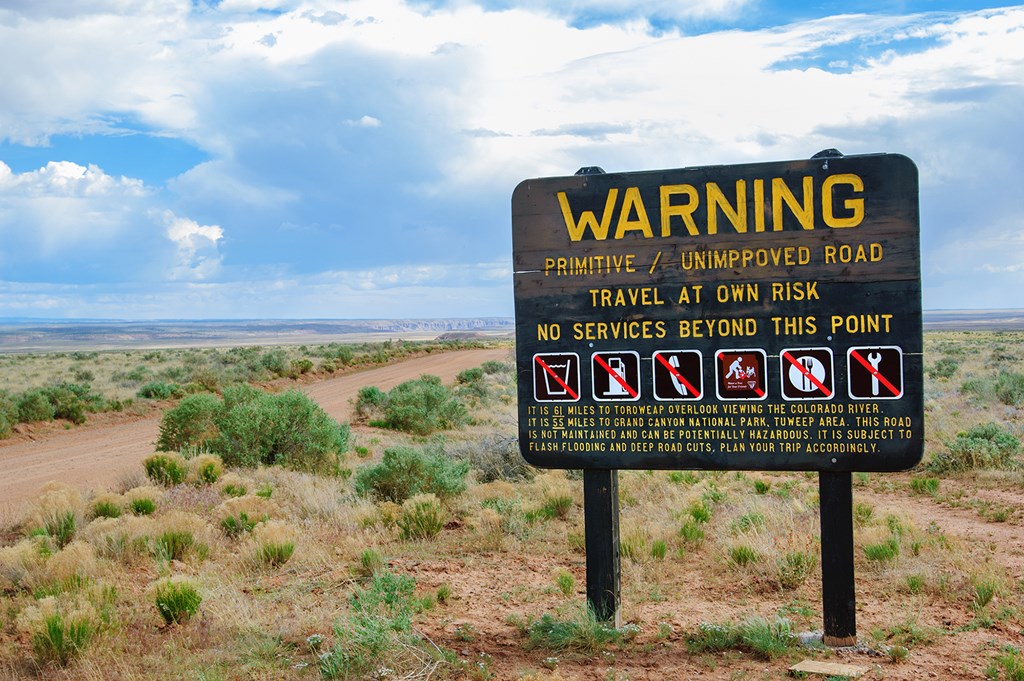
203, 159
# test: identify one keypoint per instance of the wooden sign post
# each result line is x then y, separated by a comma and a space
749, 317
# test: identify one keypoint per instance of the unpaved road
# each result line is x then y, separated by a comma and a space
95, 457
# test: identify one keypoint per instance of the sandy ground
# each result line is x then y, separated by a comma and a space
95, 457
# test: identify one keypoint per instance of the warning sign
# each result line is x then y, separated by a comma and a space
678, 375
875, 373
741, 374
757, 316
556, 377
807, 374
616, 376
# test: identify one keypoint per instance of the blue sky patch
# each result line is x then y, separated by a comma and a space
151, 158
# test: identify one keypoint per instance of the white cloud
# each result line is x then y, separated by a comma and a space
198, 256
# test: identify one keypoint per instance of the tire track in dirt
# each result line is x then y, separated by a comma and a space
96, 457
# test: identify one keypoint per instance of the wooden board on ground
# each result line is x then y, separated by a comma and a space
829, 669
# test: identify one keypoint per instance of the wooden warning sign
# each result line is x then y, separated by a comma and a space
757, 317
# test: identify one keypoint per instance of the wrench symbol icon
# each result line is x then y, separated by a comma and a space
874, 359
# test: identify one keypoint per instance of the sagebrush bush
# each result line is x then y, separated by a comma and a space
166, 469
421, 407
159, 390
287, 429
377, 633
251, 427
191, 423
34, 405
984, 446
177, 600
406, 471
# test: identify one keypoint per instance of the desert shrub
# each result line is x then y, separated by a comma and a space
471, 382
288, 429
377, 633
301, 366
177, 600
8, 413
190, 423
71, 401
34, 405
251, 427
370, 400
794, 567
422, 517
984, 446
167, 469
421, 407
158, 390
275, 361
1010, 388
406, 471
493, 367
944, 368
494, 457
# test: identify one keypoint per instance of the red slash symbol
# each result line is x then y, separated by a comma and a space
808, 375
551, 372
875, 373
675, 372
621, 381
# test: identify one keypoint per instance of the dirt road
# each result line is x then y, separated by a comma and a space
95, 457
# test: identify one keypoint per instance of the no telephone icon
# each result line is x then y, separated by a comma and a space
678, 375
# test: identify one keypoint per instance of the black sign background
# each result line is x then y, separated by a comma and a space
870, 287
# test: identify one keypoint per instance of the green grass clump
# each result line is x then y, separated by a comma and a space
582, 632
106, 508
61, 637
142, 506
768, 639
406, 471
235, 526
883, 552
166, 469
743, 555
174, 544
925, 486
177, 600
422, 517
